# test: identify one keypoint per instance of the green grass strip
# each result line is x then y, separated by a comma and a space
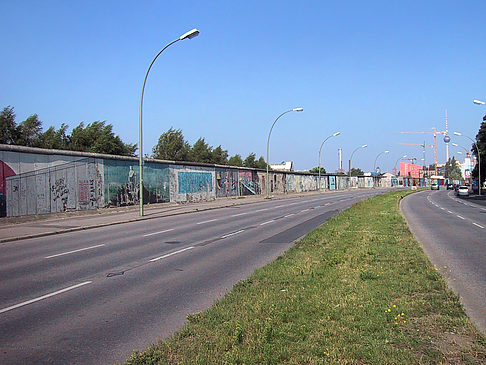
357, 290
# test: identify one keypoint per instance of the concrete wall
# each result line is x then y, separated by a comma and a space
38, 181
72, 186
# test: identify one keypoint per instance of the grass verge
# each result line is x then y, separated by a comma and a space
356, 290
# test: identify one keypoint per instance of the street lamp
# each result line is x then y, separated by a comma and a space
464, 148
381, 153
320, 149
395, 168
479, 159
479, 102
357, 148
268, 145
189, 35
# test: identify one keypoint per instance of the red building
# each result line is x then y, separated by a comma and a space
410, 170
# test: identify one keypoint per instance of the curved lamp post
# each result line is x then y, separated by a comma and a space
479, 102
357, 148
381, 153
268, 145
464, 148
189, 35
395, 168
320, 150
479, 159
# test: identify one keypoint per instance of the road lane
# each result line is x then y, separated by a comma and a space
455, 243
141, 287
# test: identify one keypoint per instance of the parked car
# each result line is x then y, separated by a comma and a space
463, 190
434, 186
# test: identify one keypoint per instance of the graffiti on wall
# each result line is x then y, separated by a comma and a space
226, 183
60, 192
87, 194
122, 183
248, 182
5, 171
194, 182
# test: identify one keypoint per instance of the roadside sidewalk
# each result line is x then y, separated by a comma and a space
18, 228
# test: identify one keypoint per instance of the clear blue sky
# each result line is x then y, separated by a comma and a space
364, 68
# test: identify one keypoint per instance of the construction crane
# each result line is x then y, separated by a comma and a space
435, 133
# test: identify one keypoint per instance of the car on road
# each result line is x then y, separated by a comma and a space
463, 190
434, 186
450, 186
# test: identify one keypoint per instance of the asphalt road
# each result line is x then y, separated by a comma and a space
92, 297
452, 231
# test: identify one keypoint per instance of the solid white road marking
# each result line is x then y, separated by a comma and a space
151, 234
43, 297
211, 220
478, 225
74, 251
262, 224
289, 215
171, 254
305, 210
232, 234
237, 215
262, 210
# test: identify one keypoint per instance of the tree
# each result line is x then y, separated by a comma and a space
235, 161
261, 163
171, 146
315, 170
250, 161
356, 172
481, 142
219, 156
53, 139
29, 132
452, 170
201, 152
99, 138
8, 127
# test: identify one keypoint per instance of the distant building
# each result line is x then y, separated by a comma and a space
284, 166
410, 170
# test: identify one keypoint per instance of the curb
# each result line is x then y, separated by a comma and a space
131, 220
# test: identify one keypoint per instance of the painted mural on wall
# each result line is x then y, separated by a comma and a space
248, 183
191, 183
195, 182
122, 183
5, 171
226, 182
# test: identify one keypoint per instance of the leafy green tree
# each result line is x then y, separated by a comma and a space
235, 160
481, 142
356, 172
452, 169
29, 132
250, 161
53, 139
261, 163
201, 152
8, 126
171, 146
99, 138
315, 170
219, 156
